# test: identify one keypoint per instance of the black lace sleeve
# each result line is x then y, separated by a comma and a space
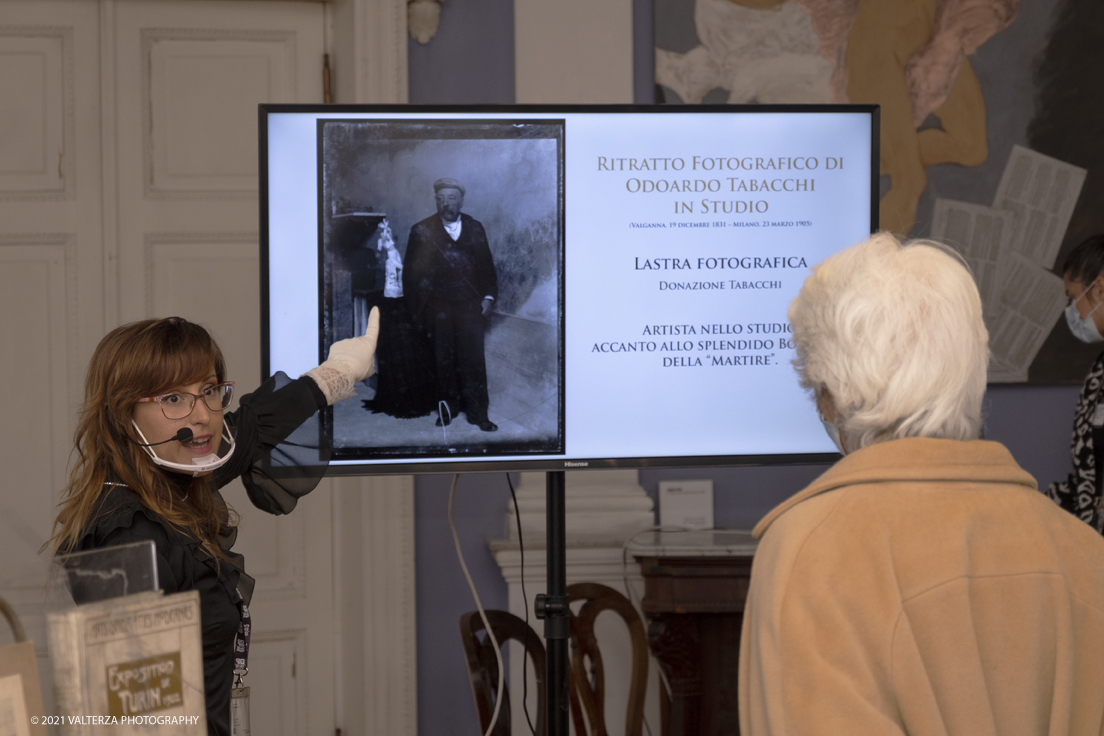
1078, 493
281, 452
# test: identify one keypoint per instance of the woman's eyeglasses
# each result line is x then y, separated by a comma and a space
179, 404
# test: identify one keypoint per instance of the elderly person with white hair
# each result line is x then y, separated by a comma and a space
922, 585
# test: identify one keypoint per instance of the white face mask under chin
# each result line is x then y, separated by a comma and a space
1083, 329
204, 464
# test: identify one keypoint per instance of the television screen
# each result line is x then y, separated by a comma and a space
559, 286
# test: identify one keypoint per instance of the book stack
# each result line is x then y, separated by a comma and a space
129, 665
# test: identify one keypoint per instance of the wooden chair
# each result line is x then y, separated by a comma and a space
586, 676
483, 667
587, 679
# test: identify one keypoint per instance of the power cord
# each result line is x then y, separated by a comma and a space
479, 605
636, 601
525, 601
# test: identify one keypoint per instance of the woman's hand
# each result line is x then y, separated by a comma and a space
357, 355
349, 361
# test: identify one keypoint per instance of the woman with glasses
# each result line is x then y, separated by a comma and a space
156, 441
1083, 275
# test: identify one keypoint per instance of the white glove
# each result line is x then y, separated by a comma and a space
350, 360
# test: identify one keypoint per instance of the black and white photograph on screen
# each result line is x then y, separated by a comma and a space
453, 229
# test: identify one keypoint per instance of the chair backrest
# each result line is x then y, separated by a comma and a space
588, 683
483, 666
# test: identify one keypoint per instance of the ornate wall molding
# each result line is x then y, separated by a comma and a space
423, 18
369, 50
603, 506
277, 661
65, 187
58, 251
159, 183
154, 240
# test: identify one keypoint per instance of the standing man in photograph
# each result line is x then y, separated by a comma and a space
449, 278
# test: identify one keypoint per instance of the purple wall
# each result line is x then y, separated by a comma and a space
471, 59
445, 704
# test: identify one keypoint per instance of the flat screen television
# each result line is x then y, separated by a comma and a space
560, 287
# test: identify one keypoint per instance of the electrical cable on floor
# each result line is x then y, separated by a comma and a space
636, 601
479, 605
525, 600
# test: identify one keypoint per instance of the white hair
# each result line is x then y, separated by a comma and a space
895, 333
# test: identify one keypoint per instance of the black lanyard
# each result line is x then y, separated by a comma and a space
241, 644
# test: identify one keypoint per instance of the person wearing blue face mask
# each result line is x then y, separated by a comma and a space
1083, 276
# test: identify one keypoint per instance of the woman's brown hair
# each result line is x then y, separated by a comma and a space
133, 361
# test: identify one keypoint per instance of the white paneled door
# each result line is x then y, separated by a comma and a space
128, 189
51, 274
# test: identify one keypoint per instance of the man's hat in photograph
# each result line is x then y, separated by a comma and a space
448, 184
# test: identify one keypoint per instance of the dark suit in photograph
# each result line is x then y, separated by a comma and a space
446, 282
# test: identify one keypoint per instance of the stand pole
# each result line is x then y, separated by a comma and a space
554, 608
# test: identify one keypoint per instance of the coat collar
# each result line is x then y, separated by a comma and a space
914, 459
439, 225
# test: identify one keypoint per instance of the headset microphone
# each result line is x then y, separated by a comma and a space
224, 448
184, 435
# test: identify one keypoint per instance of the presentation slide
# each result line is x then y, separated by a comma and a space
559, 289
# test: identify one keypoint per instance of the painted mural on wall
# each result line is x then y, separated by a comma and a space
986, 143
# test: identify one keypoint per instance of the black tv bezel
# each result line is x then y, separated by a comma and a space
369, 467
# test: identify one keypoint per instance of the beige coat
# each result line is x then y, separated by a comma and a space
924, 587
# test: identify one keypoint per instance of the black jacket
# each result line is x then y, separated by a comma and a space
1081, 492
437, 268
275, 475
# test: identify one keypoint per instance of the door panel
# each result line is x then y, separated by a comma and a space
36, 92
203, 89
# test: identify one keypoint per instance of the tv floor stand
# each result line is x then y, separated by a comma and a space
554, 606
